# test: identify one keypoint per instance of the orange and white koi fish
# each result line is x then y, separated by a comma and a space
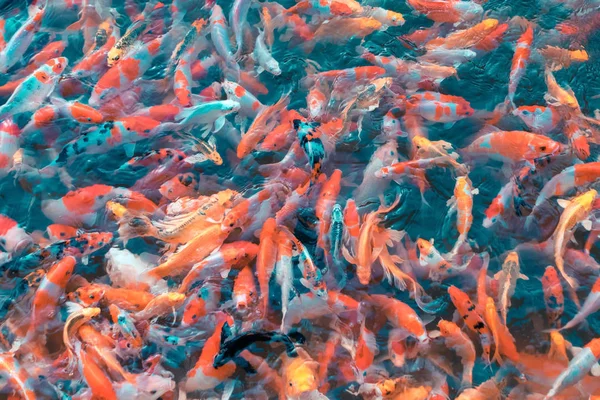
401, 316
34, 89
466, 38
265, 260
462, 202
448, 11
47, 297
371, 241
81, 206
229, 256
14, 239
21, 40
519, 63
513, 146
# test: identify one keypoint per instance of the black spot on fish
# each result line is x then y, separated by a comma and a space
478, 326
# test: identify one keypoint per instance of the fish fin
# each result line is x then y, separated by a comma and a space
498, 275
563, 203
196, 158
475, 191
348, 256
185, 113
451, 203
229, 386
524, 277
587, 225
397, 259
129, 149
595, 371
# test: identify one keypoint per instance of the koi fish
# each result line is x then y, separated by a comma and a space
462, 202
34, 89
513, 146
371, 241
519, 63
457, 340
590, 306
80, 207
553, 295
578, 367
401, 316
14, 239
20, 41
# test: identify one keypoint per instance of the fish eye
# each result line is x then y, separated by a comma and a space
525, 112
543, 148
89, 119
116, 58
92, 296
153, 392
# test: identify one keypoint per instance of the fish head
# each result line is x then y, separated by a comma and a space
97, 240
153, 386
87, 295
301, 378
113, 57
231, 105
179, 186
446, 327
457, 296
194, 310
394, 18
464, 109
244, 289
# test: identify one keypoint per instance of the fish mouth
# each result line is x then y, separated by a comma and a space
241, 302
22, 246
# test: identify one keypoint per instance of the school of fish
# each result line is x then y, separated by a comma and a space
195, 204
